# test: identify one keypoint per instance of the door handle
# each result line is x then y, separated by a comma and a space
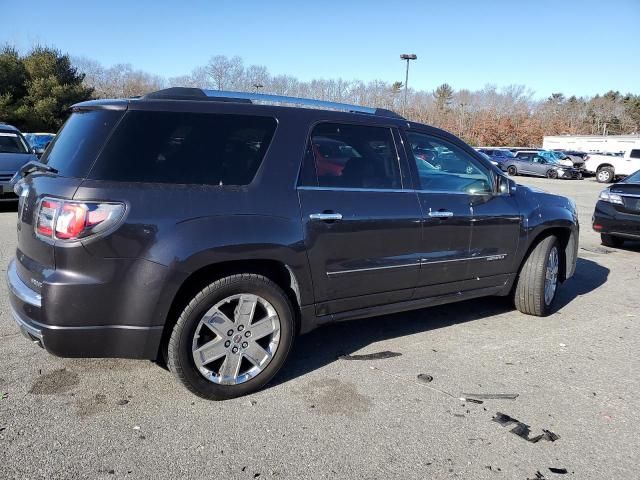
441, 214
326, 216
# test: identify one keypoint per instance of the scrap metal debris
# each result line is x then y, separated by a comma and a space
423, 377
523, 430
491, 396
419, 381
371, 356
559, 471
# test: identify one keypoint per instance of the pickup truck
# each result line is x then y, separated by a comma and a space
607, 168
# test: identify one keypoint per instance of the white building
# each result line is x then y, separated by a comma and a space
592, 143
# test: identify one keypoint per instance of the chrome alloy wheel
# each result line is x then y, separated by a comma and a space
604, 176
236, 339
551, 276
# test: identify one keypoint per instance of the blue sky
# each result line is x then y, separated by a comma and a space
575, 47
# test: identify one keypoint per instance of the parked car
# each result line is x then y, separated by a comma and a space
195, 226
488, 158
551, 156
617, 213
531, 163
499, 155
14, 153
607, 168
39, 141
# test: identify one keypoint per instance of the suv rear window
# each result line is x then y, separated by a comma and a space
74, 149
187, 148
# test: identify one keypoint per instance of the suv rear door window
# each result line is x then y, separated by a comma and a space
353, 156
185, 148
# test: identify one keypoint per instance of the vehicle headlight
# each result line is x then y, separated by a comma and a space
560, 170
607, 196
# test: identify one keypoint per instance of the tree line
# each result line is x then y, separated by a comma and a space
37, 89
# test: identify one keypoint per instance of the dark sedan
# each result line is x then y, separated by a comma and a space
617, 214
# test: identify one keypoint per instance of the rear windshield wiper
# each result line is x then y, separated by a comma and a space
30, 167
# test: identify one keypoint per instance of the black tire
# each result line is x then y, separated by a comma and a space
611, 240
512, 170
605, 175
552, 173
179, 351
529, 296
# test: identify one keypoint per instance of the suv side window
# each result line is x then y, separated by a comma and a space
352, 156
185, 148
443, 166
634, 154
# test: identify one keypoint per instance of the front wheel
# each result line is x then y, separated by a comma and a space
552, 173
511, 170
538, 279
232, 337
611, 240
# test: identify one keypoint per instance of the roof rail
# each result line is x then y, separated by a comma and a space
183, 93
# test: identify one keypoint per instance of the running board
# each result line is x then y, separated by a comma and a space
413, 304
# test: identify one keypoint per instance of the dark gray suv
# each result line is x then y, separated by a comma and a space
207, 229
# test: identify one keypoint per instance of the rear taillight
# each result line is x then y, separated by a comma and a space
72, 220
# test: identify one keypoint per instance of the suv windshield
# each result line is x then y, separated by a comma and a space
12, 143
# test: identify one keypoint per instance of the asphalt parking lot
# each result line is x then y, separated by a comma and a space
575, 373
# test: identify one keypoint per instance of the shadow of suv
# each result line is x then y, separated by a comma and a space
210, 229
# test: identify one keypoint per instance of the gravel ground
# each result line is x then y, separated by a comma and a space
325, 417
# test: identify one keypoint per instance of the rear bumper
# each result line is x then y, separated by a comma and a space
98, 341
606, 219
6, 193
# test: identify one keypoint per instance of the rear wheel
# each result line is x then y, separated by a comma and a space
538, 279
611, 240
232, 337
605, 175
552, 173
512, 170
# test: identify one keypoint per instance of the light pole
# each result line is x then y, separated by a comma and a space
258, 86
408, 57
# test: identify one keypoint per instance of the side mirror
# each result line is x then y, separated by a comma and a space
505, 185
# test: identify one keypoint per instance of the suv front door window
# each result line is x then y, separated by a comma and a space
468, 228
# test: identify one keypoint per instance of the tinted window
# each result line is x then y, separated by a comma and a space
634, 154
74, 149
188, 148
633, 178
443, 166
12, 143
353, 156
